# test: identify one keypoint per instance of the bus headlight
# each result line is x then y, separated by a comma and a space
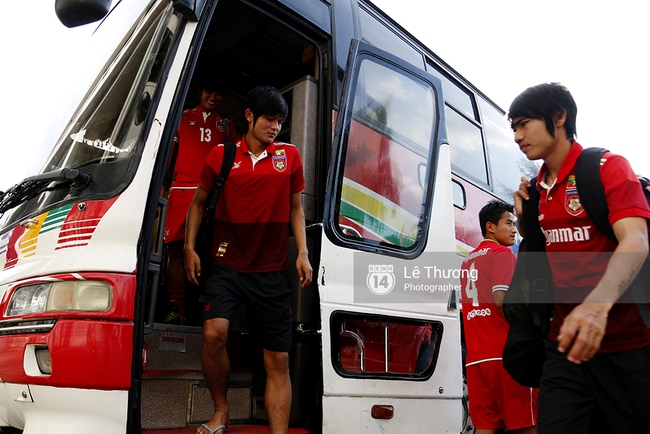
77, 295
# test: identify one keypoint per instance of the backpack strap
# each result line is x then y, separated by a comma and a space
591, 191
530, 219
593, 199
226, 165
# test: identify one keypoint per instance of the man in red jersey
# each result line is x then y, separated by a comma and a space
596, 375
200, 130
496, 401
258, 201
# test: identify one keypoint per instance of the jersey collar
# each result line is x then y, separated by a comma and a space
243, 147
201, 110
567, 165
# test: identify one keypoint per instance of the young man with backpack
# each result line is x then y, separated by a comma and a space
251, 239
596, 375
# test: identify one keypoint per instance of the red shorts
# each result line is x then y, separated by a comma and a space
178, 203
497, 401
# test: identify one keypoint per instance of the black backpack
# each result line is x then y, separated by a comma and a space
528, 304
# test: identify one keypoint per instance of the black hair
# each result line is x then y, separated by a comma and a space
212, 82
492, 213
264, 100
546, 101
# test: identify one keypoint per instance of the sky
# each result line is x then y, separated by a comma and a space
598, 49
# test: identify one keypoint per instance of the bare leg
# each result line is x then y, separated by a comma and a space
277, 396
216, 369
485, 431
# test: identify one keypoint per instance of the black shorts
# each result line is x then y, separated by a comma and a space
268, 303
608, 394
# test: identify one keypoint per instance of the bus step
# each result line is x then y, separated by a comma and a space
232, 429
172, 349
174, 400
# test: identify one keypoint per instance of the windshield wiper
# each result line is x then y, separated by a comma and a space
32, 186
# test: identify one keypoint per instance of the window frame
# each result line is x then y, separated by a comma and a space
362, 51
336, 321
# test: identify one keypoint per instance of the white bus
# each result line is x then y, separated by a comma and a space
399, 151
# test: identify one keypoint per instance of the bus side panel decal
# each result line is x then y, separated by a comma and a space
80, 224
76, 224
13, 247
55, 218
30, 237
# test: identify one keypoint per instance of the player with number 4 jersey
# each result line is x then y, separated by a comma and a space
496, 401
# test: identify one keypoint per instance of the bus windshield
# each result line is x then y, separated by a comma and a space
104, 137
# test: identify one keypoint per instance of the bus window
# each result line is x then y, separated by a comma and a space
314, 10
466, 146
103, 140
458, 193
382, 37
378, 346
454, 94
463, 128
507, 164
382, 197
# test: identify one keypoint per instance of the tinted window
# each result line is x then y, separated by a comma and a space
315, 10
378, 346
390, 131
507, 163
110, 124
454, 95
382, 37
466, 145
458, 193
105, 137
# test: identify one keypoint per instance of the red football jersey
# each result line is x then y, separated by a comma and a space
252, 215
199, 132
487, 269
577, 250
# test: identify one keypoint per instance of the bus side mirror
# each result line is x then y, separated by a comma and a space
74, 13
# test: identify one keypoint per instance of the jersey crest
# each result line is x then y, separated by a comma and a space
572, 200
279, 160
221, 124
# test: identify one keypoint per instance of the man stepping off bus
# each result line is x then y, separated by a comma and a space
258, 201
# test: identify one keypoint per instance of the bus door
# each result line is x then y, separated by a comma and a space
390, 356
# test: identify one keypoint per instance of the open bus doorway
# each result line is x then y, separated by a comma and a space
116, 386
247, 46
